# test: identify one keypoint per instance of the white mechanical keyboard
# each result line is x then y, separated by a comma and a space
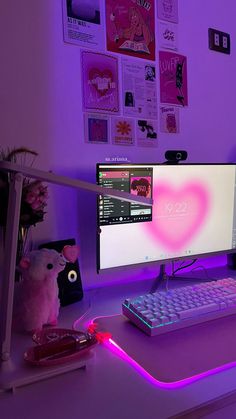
164, 311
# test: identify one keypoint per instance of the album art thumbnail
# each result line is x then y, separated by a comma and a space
141, 186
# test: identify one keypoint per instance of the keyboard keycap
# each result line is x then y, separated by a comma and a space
164, 311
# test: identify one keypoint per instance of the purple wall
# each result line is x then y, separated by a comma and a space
41, 96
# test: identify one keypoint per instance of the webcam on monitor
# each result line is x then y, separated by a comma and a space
175, 156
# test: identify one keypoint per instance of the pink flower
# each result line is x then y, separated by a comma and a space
30, 198
36, 194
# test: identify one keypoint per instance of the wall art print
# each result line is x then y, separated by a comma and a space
96, 128
130, 27
139, 88
122, 131
146, 133
168, 10
167, 35
99, 82
173, 78
82, 21
169, 119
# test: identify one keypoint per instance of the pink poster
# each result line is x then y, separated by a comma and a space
96, 128
100, 82
169, 119
131, 27
173, 78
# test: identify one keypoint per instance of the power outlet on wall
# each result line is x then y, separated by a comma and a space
219, 41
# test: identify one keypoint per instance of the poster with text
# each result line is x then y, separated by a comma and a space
167, 35
130, 27
167, 10
96, 128
146, 133
82, 23
173, 78
122, 131
139, 89
100, 82
169, 119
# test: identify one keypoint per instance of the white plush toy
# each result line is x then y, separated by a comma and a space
36, 296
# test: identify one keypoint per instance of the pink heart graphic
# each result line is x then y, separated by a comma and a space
178, 214
71, 253
101, 80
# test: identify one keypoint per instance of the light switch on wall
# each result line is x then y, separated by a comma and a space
225, 42
219, 41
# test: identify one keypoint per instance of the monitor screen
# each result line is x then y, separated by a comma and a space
193, 213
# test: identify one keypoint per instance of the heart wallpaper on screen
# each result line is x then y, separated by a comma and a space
179, 213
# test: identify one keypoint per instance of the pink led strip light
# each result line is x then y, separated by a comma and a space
117, 350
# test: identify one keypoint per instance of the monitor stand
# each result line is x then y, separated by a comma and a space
163, 277
160, 278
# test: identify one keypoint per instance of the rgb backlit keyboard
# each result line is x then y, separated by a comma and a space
165, 311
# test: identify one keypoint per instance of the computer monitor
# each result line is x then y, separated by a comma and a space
193, 215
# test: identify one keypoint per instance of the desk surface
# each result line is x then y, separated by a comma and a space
109, 387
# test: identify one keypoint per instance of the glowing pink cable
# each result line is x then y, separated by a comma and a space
116, 349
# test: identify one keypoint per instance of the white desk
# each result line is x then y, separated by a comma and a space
109, 388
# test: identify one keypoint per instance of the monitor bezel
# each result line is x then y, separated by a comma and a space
155, 262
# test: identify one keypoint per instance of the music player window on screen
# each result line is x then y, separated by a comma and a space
137, 181
192, 214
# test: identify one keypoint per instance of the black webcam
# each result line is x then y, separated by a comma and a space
174, 156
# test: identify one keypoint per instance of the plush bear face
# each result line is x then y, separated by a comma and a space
42, 264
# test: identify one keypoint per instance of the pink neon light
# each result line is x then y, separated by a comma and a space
117, 350
178, 214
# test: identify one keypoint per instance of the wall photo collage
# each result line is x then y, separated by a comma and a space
129, 63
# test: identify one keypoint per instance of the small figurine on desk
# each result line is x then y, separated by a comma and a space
36, 296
